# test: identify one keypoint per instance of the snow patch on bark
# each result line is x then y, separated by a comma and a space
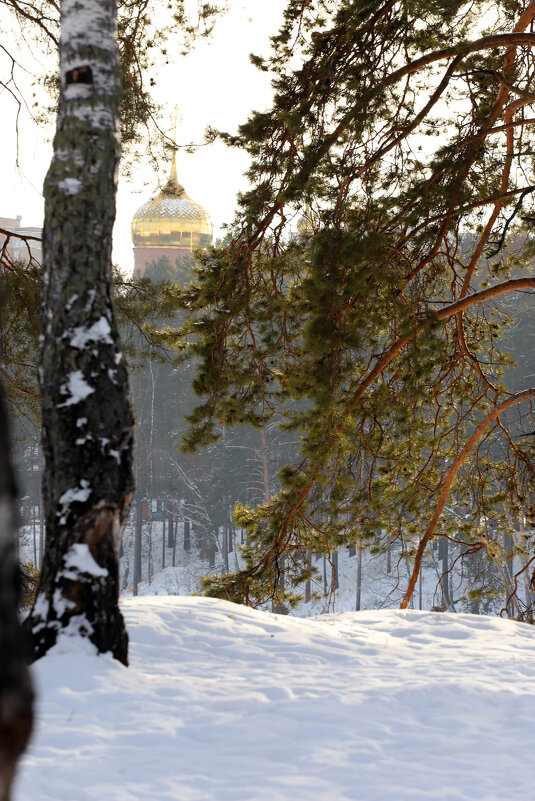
77, 387
71, 301
73, 638
90, 299
71, 186
80, 494
98, 332
80, 559
104, 443
40, 611
61, 604
40, 608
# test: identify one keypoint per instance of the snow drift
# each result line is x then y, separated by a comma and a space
224, 703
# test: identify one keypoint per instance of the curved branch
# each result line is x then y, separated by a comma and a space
458, 52
300, 495
37, 19
443, 314
19, 235
482, 428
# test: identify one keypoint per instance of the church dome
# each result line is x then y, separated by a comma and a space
172, 219
306, 225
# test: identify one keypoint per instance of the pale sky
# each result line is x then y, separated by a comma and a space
214, 85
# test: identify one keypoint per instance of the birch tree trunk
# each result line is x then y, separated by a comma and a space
87, 421
15, 687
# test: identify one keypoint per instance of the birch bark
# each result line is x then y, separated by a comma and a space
87, 420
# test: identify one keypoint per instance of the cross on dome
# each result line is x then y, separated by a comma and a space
171, 221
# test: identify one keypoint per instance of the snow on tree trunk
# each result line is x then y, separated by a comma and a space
87, 420
15, 687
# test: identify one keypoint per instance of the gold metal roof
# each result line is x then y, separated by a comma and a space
172, 219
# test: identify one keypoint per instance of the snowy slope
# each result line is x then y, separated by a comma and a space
224, 703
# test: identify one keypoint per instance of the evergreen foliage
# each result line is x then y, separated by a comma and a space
204, 485
402, 139
29, 575
162, 271
19, 335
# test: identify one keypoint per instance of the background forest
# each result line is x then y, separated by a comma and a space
332, 407
360, 340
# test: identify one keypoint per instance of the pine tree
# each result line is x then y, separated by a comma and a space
403, 138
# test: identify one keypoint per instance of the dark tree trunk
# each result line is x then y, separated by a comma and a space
308, 593
358, 592
15, 687
212, 550
34, 535
174, 542
224, 548
443, 554
282, 574
187, 534
87, 421
41, 533
335, 582
137, 543
509, 572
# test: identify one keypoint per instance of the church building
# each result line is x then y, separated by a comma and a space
170, 224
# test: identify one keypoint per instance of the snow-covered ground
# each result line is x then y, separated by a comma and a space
184, 579
225, 703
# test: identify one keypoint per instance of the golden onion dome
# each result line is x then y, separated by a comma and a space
172, 219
